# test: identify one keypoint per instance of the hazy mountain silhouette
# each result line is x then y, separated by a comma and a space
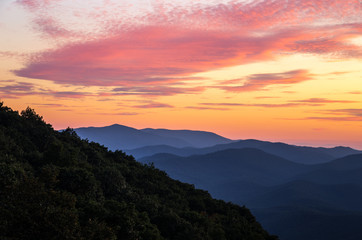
296, 192
122, 137
341, 171
223, 172
286, 197
350, 162
339, 152
326, 200
152, 150
198, 139
119, 136
299, 154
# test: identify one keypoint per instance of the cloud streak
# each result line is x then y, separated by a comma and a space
14, 89
323, 100
149, 91
154, 105
263, 105
256, 82
295, 103
208, 108
338, 115
356, 112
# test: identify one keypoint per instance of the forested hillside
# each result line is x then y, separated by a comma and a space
53, 185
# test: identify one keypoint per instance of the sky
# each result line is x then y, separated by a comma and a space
275, 70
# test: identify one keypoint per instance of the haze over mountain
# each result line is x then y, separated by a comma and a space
285, 196
122, 137
289, 188
299, 154
198, 139
219, 171
326, 201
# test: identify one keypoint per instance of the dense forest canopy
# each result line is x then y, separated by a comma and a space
53, 185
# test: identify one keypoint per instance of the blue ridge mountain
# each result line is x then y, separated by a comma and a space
286, 197
198, 139
299, 154
340, 171
221, 173
117, 137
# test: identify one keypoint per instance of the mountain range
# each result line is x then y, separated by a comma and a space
299, 154
286, 197
296, 192
122, 137
147, 142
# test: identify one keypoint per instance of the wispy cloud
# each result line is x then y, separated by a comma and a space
207, 108
293, 103
256, 82
357, 112
322, 100
50, 27
338, 119
266, 97
178, 41
16, 89
68, 94
264, 105
116, 113
154, 105
50, 105
156, 90
340, 115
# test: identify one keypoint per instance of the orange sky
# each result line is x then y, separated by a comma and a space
271, 70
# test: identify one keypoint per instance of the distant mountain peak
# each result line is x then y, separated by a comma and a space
118, 136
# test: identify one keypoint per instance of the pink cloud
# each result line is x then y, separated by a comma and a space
67, 94
52, 28
356, 112
10, 54
207, 108
119, 113
14, 89
266, 97
136, 58
264, 105
339, 119
347, 115
154, 105
176, 42
322, 100
295, 103
256, 82
50, 105
33, 5
156, 90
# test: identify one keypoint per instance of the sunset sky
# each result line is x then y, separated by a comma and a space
274, 70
